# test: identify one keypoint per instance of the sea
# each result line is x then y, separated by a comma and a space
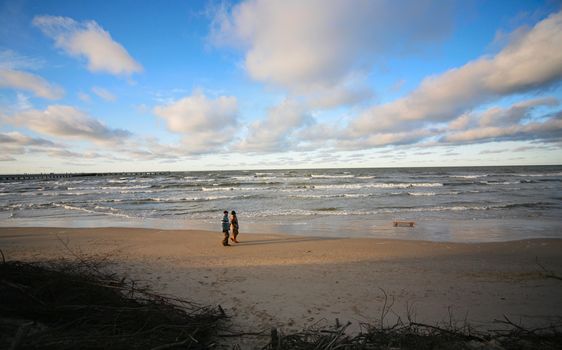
447, 204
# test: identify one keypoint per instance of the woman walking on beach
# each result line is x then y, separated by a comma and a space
234, 224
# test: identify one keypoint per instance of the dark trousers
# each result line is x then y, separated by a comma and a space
226, 235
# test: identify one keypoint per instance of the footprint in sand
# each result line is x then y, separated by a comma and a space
355, 310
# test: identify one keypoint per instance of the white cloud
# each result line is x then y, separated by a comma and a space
273, 134
67, 122
6, 158
326, 98
386, 138
550, 129
19, 139
88, 39
15, 143
207, 125
63, 153
312, 46
104, 94
494, 151
10, 59
84, 97
14, 79
533, 60
22, 102
515, 114
199, 113
527, 120
461, 122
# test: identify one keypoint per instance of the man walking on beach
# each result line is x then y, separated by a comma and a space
225, 228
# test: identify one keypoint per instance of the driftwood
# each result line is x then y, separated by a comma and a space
403, 223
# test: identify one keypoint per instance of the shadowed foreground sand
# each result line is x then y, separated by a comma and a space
294, 282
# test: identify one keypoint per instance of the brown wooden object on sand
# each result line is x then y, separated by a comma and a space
404, 223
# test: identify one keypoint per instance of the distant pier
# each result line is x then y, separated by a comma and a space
55, 176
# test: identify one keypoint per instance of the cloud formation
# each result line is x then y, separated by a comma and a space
306, 46
19, 80
68, 123
10, 59
327, 98
15, 138
509, 124
207, 125
15, 143
104, 94
88, 39
273, 134
532, 60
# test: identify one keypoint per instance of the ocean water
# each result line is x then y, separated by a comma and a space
463, 204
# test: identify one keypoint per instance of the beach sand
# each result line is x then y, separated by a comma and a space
293, 282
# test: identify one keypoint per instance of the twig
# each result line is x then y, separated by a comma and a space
77, 256
547, 274
21, 333
386, 307
511, 323
342, 329
243, 334
274, 339
443, 330
22, 289
173, 345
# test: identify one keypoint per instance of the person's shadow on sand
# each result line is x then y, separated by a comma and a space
286, 240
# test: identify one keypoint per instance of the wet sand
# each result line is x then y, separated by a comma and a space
292, 282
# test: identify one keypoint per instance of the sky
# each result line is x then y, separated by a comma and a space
95, 86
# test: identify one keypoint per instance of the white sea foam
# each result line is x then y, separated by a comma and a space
500, 182
124, 187
220, 188
320, 176
469, 176
379, 185
343, 212
553, 174
193, 199
323, 196
243, 178
105, 210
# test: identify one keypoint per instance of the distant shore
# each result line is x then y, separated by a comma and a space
294, 282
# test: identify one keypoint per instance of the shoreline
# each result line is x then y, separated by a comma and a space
276, 233
484, 230
293, 282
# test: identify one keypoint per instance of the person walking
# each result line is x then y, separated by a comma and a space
225, 228
234, 224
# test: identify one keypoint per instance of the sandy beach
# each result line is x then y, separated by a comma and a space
292, 282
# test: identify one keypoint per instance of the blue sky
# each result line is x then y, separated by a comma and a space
196, 85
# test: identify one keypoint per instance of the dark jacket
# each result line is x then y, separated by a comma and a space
225, 223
